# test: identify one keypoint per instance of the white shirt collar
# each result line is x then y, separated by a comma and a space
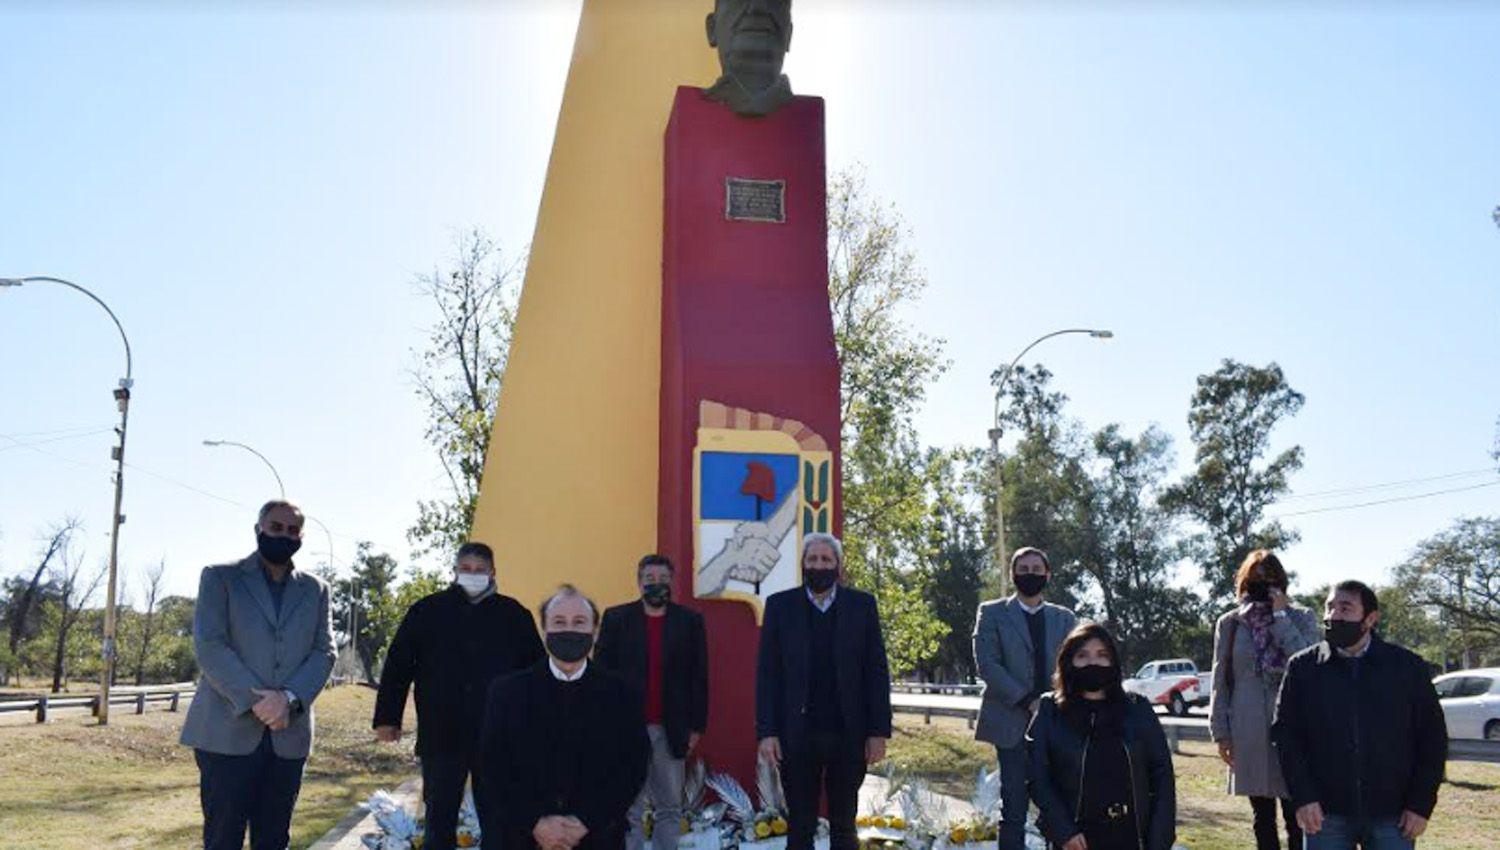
1028, 609
558, 674
826, 602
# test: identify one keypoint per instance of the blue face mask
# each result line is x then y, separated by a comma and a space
276, 550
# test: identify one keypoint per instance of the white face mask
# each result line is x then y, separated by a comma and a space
474, 583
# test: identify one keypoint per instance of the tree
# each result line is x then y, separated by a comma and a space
959, 563
1131, 548
1047, 488
872, 276
458, 377
18, 613
1232, 415
375, 578
74, 590
1457, 573
148, 619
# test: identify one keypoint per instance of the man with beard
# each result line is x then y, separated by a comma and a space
822, 694
1015, 647
564, 747
263, 637
1359, 732
661, 650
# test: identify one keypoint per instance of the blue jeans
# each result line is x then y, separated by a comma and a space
1343, 833
1013, 798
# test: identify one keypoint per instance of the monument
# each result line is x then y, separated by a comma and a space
704, 375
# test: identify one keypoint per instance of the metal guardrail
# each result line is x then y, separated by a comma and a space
936, 688
43, 705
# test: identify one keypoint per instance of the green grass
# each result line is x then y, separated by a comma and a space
73, 784
1467, 816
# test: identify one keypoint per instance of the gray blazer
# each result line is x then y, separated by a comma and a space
242, 644
1003, 656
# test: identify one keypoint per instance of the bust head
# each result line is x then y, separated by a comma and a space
752, 37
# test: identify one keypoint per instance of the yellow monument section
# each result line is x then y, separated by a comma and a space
569, 490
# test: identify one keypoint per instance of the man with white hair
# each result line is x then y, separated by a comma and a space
563, 750
822, 694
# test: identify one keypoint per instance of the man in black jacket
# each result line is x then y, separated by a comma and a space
564, 745
453, 643
1360, 733
822, 694
660, 649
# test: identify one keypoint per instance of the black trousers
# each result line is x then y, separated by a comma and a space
831, 764
256, 791
443, 779
1264, 809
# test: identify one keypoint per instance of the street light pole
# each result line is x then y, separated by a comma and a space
280, 486
117, 454
994, 434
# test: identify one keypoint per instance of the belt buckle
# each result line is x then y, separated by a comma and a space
1117, 811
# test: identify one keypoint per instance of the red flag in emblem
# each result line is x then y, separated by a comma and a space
760, 482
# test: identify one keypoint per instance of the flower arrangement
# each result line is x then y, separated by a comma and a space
399, 830
982, 825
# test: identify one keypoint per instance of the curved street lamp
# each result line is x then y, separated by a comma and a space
117, 454
995, 443
263, 459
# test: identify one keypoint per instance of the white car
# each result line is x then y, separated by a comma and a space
1471, 702
1174, 683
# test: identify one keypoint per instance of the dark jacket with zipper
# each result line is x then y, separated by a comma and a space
1365, 744
684, 699
452, 649
1057, 752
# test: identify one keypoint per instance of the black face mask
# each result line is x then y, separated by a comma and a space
1030, 584
1342, 634
276, 550
569, 647
657, 595
1258, 591
1095, 677
819, 581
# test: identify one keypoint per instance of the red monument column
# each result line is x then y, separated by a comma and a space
749, 383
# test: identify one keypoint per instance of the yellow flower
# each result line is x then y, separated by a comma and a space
465, 840
882, 822
762, 830
416, 841
684, 827
898, 823
959, 835
862, 820
778, 826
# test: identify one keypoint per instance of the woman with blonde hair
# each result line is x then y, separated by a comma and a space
1252, 643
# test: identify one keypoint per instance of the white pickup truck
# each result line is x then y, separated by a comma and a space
1174, 683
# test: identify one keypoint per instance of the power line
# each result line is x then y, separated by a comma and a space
1389, 485
1390, 501
20, 444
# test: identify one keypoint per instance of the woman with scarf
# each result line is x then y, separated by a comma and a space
1097, 760
1252, 643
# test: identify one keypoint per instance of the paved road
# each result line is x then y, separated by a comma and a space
954, 703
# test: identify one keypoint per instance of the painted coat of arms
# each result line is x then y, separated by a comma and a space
759, 483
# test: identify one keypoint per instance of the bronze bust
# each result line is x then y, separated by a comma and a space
752, 37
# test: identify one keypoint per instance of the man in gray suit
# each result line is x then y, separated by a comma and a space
263, 635
1015, 651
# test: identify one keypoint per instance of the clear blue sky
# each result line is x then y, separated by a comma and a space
254, 190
